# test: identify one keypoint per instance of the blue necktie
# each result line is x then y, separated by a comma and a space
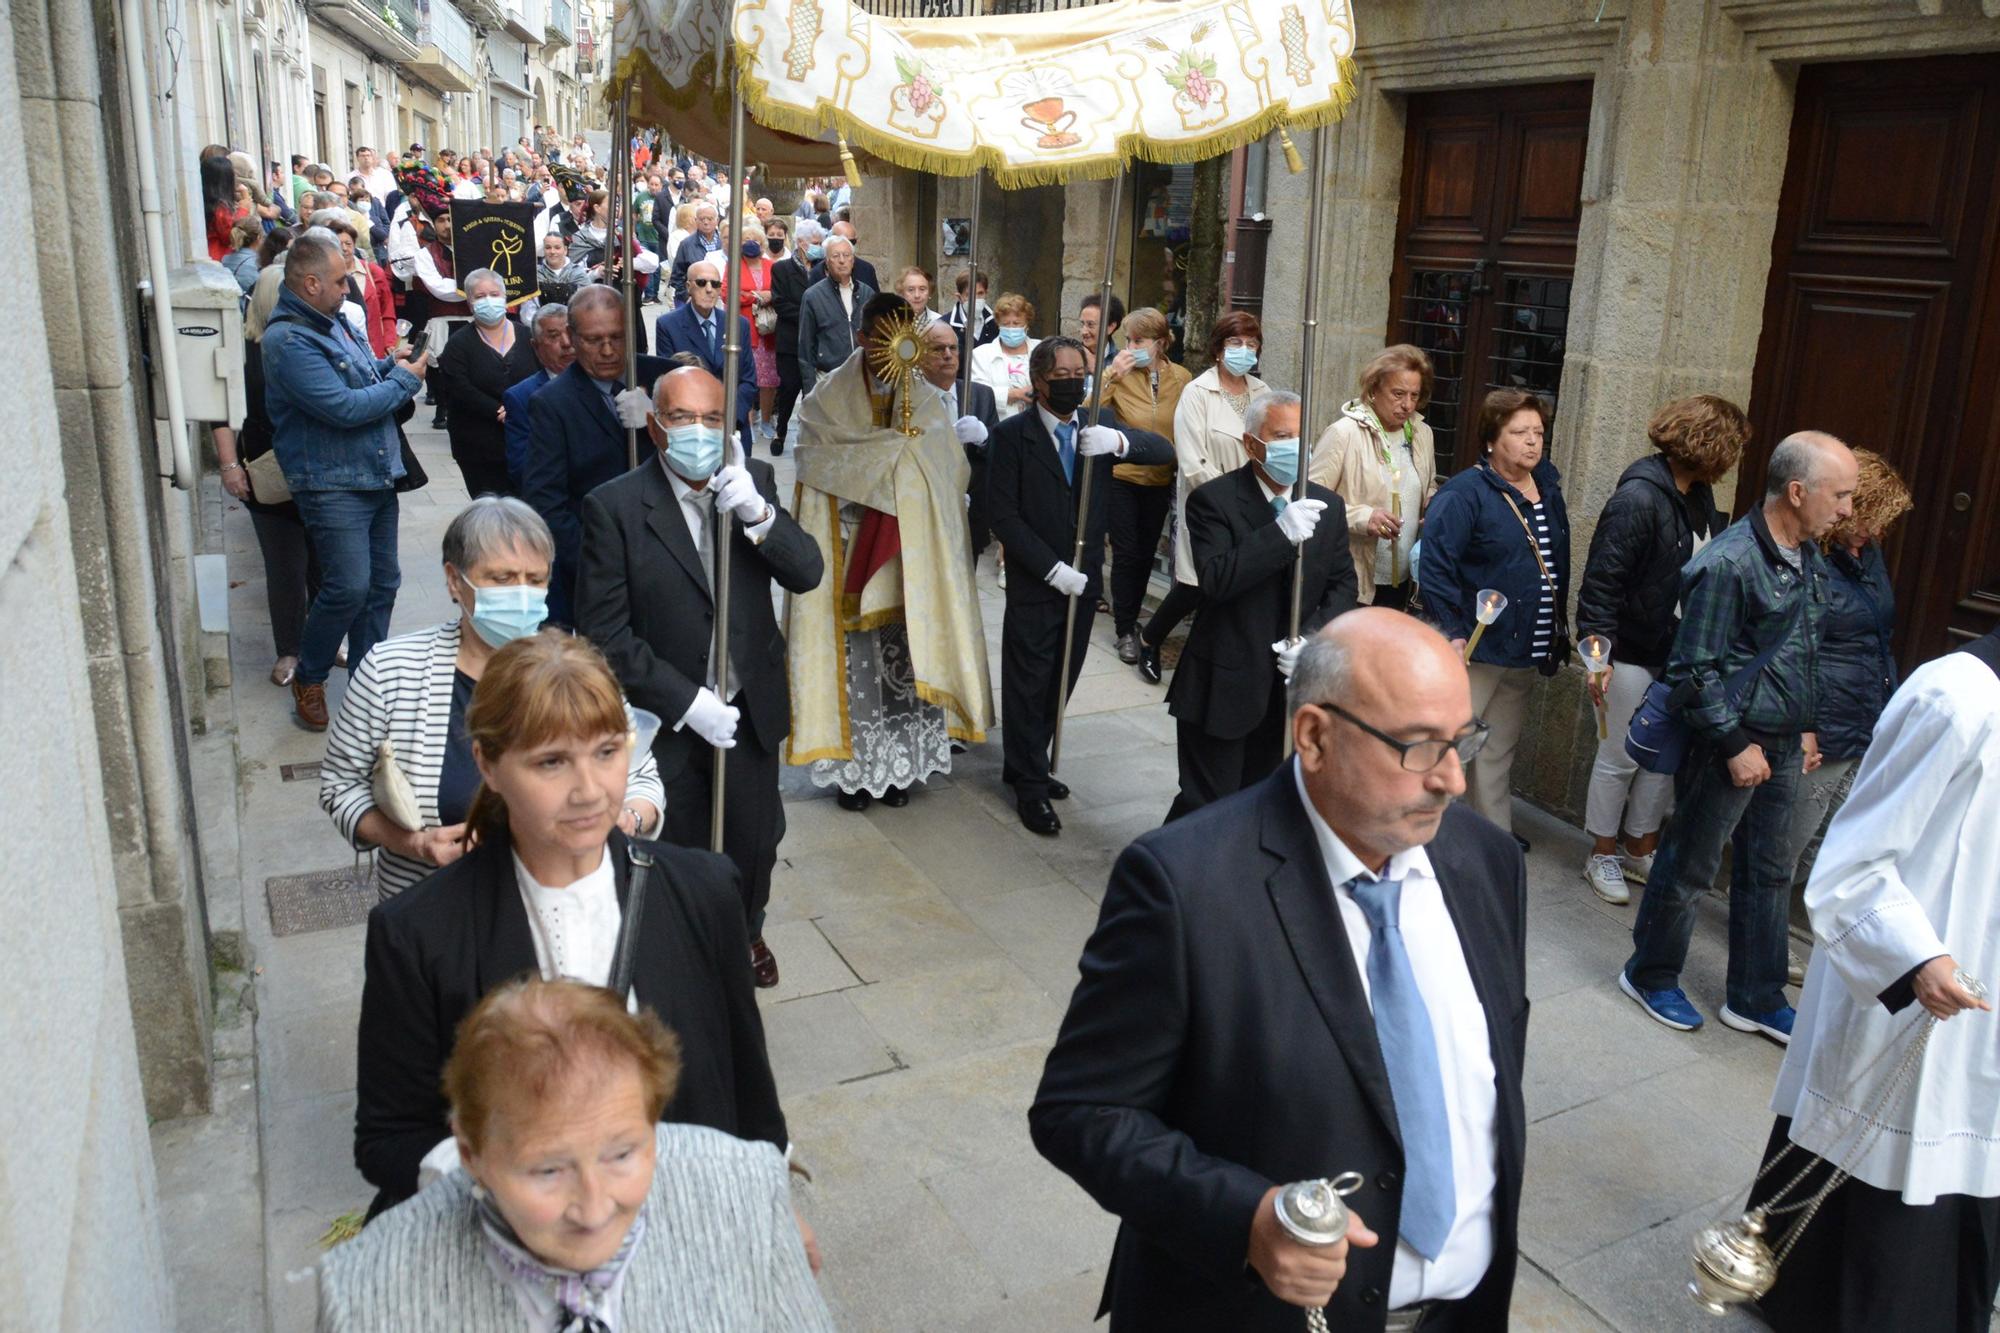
708, 327
1066, 448
1278, 503
1409, 1050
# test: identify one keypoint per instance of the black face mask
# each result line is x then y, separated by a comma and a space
1064, 396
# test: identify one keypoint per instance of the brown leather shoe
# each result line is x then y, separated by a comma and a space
309, 705
763, 967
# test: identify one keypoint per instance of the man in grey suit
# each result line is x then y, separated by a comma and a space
830, 314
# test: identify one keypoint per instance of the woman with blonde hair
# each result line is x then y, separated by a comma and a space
1379, 457
1002, 365
549, 885
1661, 514
1144, 387
573, 1209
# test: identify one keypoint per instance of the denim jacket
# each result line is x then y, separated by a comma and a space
1737, 595
332, 404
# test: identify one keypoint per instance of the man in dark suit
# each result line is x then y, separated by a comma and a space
576, 431
790, 277
1228, 695
830, 315
652, 612
696, 327
976, 416
554, 351
1036, 464
864, 272
1322, 973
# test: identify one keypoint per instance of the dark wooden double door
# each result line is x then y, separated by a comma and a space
1486, 246
1882, 317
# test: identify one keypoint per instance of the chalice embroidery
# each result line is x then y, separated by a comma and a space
1046, 114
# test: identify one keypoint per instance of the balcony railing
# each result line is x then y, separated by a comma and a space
958, 9
509, 61
401, 15
562, 22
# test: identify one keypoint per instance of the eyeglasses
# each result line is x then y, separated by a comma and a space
1423, 756
704, 282
683, 417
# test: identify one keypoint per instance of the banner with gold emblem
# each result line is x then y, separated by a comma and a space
496, 236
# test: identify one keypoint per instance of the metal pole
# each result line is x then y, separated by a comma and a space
1308, 347
1083, 491
732, 366
619, 225
971, 303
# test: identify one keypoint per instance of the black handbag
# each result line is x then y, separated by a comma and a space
619, 983
414, 477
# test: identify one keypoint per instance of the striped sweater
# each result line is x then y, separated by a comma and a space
721, 1254
402, 694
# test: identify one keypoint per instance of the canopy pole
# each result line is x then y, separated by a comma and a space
619, 224
1083, 490
971, 330
1308, 364
732, 369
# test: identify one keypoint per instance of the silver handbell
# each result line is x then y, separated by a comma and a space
1732, 1263
1312, 1212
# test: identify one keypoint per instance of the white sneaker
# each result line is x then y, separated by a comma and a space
1795, 968
1636, 868
1606, 879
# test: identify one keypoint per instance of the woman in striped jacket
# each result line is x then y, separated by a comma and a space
412, 691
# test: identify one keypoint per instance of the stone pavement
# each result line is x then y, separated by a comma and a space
927, 957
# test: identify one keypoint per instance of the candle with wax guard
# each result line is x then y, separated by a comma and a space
1595, 650
1486, 608
1396, 508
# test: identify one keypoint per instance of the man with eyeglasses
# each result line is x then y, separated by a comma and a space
1228, 695
576, 435
646, 597
1320, 974
697, 327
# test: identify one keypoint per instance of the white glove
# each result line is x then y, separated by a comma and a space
971, 430
1092, 441
1069, 582
735, 492
632, 406
1288, 651
1298, 519
711, 719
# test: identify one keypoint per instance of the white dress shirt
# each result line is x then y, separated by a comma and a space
575, 928
1050, 422
698, 512
846, 290
1465, 1057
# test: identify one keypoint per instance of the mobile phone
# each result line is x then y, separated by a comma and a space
417, 341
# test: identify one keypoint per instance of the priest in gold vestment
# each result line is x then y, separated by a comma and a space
887, 655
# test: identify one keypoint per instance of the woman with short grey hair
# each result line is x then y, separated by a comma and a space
480, 363
399, 773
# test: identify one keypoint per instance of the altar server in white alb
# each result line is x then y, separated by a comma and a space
1905, 893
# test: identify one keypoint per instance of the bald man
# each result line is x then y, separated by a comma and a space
1744, 674
645, 596
697, 326
1321, 973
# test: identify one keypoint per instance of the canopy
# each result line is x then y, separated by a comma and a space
1033, 98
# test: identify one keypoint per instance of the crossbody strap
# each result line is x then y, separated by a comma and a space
620, 981
1535, 547
1742, 679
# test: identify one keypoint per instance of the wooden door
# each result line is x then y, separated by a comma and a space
1882, 317
1486, 245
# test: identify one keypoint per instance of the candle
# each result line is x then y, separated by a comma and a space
1396, 508
1595, 650
1486, 608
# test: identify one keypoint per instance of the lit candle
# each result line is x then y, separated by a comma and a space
1595, 650
1486, 608
1396, 508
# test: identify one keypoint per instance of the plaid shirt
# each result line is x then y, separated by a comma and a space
1737, 595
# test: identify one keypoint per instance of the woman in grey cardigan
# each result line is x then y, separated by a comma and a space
412, 691
573, 1210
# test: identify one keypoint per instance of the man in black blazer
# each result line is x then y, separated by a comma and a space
864, 272
976, 415
790, 277
696, 327
645, 598
576, 431
1242, 1021
1036, 463
1228, 695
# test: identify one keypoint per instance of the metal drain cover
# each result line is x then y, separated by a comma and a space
319, 900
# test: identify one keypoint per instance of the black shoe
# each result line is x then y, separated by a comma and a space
1058, 791
856, 801
896, 797
1039, 817
777, 447
1149, 662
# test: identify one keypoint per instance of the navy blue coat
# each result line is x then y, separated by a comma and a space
1857, 665
679, 331
1472, 540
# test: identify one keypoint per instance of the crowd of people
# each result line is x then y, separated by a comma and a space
540, 776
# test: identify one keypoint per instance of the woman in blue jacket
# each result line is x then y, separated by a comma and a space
1501, 525
1857, 663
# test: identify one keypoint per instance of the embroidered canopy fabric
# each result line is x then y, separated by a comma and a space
1032, 98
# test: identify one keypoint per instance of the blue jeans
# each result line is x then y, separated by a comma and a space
1710, 810
354, 535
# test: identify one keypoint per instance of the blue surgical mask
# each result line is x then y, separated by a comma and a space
1239, 360
815, 253
1012, 335
694, 450
503, 614
1141, 356
753, 249
1281, 460
489, 310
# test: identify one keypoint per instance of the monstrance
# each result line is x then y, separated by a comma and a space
893, 358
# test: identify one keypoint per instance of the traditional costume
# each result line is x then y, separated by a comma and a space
888, 656
1909, 872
